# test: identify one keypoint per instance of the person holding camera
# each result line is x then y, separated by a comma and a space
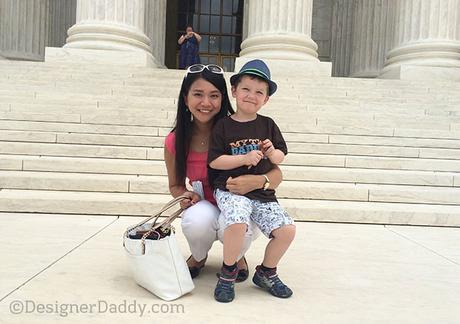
189, 48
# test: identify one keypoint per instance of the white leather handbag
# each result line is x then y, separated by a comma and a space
154, 256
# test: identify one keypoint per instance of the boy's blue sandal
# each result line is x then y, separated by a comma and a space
270, 281
225, 288
243, 274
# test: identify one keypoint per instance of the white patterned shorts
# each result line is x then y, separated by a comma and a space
237, 209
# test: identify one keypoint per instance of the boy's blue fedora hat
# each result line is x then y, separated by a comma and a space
258, 68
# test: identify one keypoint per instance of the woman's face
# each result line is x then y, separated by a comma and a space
203, 100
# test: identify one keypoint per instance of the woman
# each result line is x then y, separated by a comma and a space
203, 99
189, 48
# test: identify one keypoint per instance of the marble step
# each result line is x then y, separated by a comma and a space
372, 212
387, 163
102, 71
426, 109
298, 84
124, 85
368, 150
370, 176
396, 118
59, 202
84, 89
277, 111
163, 131
288, 189
168, 110
299, 152
98, 117
82, 165
102, 129
129, 84
69, 162
281, 103
83, 182
127, 81
149, 104
285, 124
373, 140
74, 150
91, 139
296, 141
167, 106
317, 173
95, 101
369, 193
285, 113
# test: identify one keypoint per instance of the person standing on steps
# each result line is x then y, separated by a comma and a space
189, 48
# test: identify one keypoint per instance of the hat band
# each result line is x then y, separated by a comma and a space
262, 74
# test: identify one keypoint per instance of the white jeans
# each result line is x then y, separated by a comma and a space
202, 225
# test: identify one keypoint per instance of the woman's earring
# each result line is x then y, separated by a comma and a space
191, 117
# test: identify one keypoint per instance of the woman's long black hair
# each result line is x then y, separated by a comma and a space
183, 126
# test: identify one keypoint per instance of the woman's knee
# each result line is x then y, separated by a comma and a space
200, 218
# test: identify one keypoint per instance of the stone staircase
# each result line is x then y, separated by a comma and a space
89, 140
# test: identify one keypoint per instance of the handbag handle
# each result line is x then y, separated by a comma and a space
167, 222
167, 206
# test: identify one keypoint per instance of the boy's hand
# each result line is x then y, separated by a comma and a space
267, 147
252, 158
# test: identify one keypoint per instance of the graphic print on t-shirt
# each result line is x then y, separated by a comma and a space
244, 146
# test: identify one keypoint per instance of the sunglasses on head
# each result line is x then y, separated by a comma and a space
198, 68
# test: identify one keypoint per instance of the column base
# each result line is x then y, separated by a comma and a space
364, 74
283, 68
421, 73
102, 57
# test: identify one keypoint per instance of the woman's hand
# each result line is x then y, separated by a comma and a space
193, 198
245, 183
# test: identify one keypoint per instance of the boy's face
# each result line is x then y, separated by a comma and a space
250, 94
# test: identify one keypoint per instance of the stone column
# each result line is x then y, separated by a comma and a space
112, 25
107, 31
279, 32
155, 28
23, 25
341, 38
426, 41
62, 15
372, 23
321, 27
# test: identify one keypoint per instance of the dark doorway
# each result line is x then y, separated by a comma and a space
219, 22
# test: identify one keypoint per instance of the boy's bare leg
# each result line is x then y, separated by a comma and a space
278, 245
233, 242
267, 278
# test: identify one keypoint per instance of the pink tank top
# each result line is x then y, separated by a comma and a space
196, 166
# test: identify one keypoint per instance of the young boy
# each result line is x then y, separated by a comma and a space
248, 143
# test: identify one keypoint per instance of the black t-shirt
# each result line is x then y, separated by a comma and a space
231, 137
